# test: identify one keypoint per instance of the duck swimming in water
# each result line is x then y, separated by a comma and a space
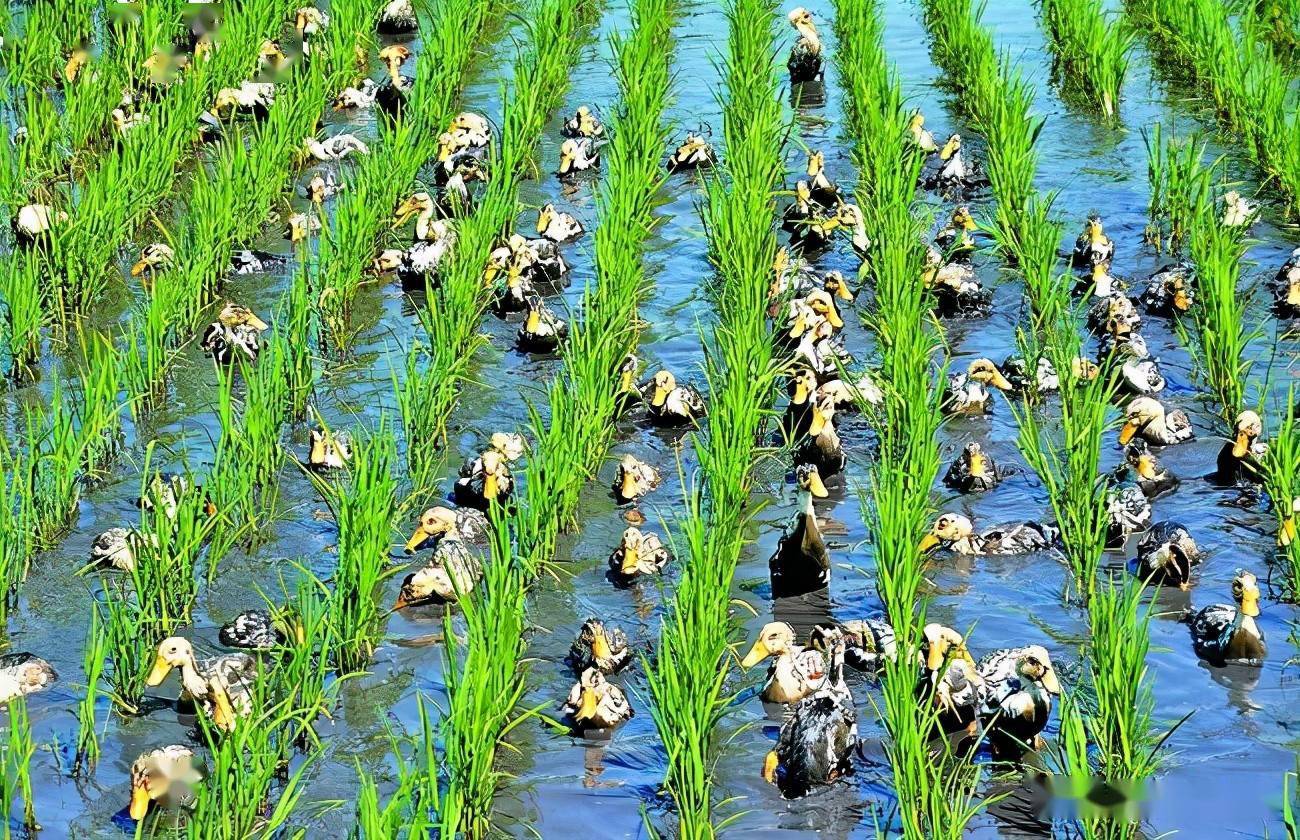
578, 154
796, 671
166, 776
22, 674
1238, 460
452, 572
34, 222
254, 99
397, 17
1093, 245
484, 480
950, 172
357, 98
1286, 287
234, 335
805, 61
600, 647
949, 679
957, 292
1128, 511
821, 446
956, 533
596, 703
694, 153
222, 686
818, 737
1166, 556
822, 190
1147, 419
464, 524
801, 563
329, 450
638, 553
1019, 686
972, 471
391, 96
968, 392
117, 548
1139, 372
1237, 211
955, 240
542, 330
669, 403
1140, 466
583, 124
633, 479
1225, 634
822, 352
259, 630
868, 642
557, 226
800, 212
338, 147
1168, 292
921, 136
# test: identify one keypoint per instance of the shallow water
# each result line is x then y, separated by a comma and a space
1225, 763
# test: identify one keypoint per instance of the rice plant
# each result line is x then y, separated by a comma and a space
132, 635
16, 532
21, 276
99, 415
1091, 51
302, 675
1281, 473
1180, 183
409, 804
52, 485
93, 662
16, 760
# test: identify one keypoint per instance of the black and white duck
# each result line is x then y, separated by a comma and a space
968, 393
164, 778
251, 99
795, 671
1238, 460
596, 703
22, 674
33, 223
1286, 287
1141, 467
805, 61
154, 259
638, 554
1113, 315
1237, 211
599, 646
949, 679
670, 403
949, 171
338, 147
868, 642
1146, 418
821, 446
397, 17
822, 352
956, 533
117, 548
484, 480
235, 335
583, 123
259, 630
633, 479
1128, 511
957, 291
329, 450
542, 330
578, 154
801, 562
800, 212
1224, 634
954, 241
1019, 685
1169, 292
695, 152
818, 736
1139, 371
221, 686
1093, 245
1166, 556
972, 471
558, 226
392, 94
822, 189
357, 97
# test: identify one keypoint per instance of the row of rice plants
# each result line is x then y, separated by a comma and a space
484, 683
935, 790
1250, 89
688, 674
16, 753
1091, 52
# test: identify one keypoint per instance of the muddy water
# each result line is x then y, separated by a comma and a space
1224, 765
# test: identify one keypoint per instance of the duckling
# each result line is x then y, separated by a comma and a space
222, 686
453, 571
1147, 418
694, 152
330, 450
801, 563
256, 630
1140, 466
391, 96
1237, 211
117, 547
968, 393
166, 776
22, 674
818, 737
670, 404
956, 533
795, 673
1128, 511
397, 17
1019, 685
822, 447
484, 480
822, 352
633, 479
821, 189
638, 553
922, 137
464, 524
1166, 555
1228, 635
1238, 460
805, 61
868, 642
949, 678
955, 240
1139, 372
154, 258
253, 99
578, 154
338, 147
583, 124
1169, 291
557, 226
234, 334
543, 330
34, 222
972, 471
357, 98
1093, 245
602, 648
1286, 287
595, 703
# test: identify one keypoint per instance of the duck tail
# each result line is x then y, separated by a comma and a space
1186, 616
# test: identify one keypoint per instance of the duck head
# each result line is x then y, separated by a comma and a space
424, 585
601, 641
591, 687
1248, 428
309, 20
985, 372
816, 164
77, 61
809, 480
495, 474
1173, 562
1035, 666
417, 204
1245, 592
301, 226
1140, 413
536, 306
962, 219
316, 189
161, 773
940, 644
950, 148
387, 260
774, 639
1083, 368
270, 56
1286, 533
823, 306
467, 121
948, 528
177, 652
835, 285
802, 21
568, 156
509, 444
393, 57
1093, 230
977, 463
545, 217
803, 385
633, 545
155, 257
664, 384
434, 523
635, 478
328, 449
1138, 455
234, 315
627, 373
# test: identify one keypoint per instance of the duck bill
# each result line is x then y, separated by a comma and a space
934, 658
402, 601
417, 539
139, 801
600, 646
798, 328
1126, 434
402, 215
534, 321
1181, 301
1286, 534
1293, 294
800, 393
1051, 683
1250, 604
756, 654
543, 222
770, 763
491, 488
817, 487
566, 164
587, 707
1241, 446
139, 268
928, 542
660, 397
627, 489
997, 380
1146, 467
818, 423
834, 317
631, 557
257, 323
161, 668
842, 292
978, 464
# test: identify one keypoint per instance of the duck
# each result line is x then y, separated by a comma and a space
956, 533
949, 679
1169, 292
801, 563
1286, 287
221, 686
851, 219
795, 673
397, 17
321, 187
1139, 372
1146, 418
822, 190
805, 61
253, 99
821, 446
802, 211
1103, 284
451, 572
638, 553
821, 352
1019, 686
950, 170
578, 154
669, 403
167, 491
596, 703
600, 647
34, 223
1166, 556
422, 208
22, 674
583, 123
302, 226
542, 330
234, 335
246, 261
957, 292
117, 548
309, 22
629, 394
1046, 379
972, 471
338, 147
803, 390
920, 135
633, 479
271, 57
124, 123
558, 226
1128, 511
834, 284
694, 153
1238, 460
357, 98
259, 630
154, 258
166, 776
329, 450
1140, 466
868, 642
1113, 315
465, 524
968, 393
818, 737
484, 480
791, 275
955, 240
1225, 634
391, 96
1237, 211
1093, 245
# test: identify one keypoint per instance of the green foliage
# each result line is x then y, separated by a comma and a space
1091, 52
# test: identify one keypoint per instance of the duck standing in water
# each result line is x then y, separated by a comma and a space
596, 703
222, 686
817, 738
822, 447
801, 563
1286, 287
795, 673
694, 153
329, 450
956, 533
1147, 419
633, 479
1166, 556
1228, 635
600, 647
639, 553
1141, 467
542, 330
1019, 686
583, 123
1093, 245
949, 679
22, 674
1238, 460
805, 62
968, 393
669, 403
972, 471
1168, 292
166, 777
234, 335
484, 480
358, 97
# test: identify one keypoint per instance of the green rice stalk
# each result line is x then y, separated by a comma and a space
16, 533
53, 481
99, 414
93, 661
1091, 52
1180, 184
1281, 472
16, 759
21, 276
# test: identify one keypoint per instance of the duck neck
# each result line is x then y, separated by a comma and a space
192, 680
806, 504
422, 223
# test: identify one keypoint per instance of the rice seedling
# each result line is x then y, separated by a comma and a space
16, 532
1091, 52
99, 415
16, 759
23, 313
1280, 465
1181, 183
301, 675
1290, 803
52, 486
416, 793
131, 638
93, 660
424, 420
